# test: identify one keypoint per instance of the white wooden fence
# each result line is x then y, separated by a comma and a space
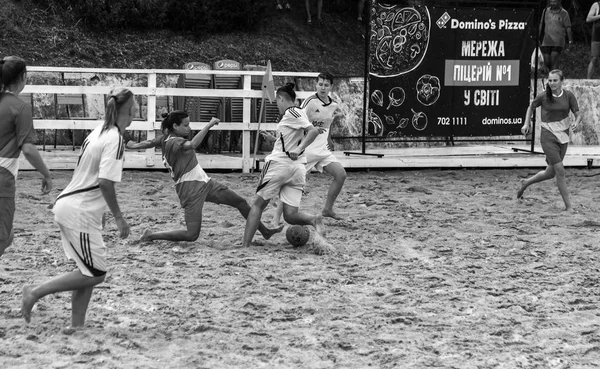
151, 91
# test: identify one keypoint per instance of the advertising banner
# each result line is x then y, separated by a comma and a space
442, 71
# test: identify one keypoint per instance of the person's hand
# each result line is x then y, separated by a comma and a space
214, 121
330, 146
123, 226
574, 124
268, 136
320, 129
525, 130
46, 185
293, 154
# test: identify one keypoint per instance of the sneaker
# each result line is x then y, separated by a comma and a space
288, 6
279, 7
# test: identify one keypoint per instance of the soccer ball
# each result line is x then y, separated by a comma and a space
297, 235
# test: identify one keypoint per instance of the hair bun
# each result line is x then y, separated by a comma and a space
164, 115
290, 85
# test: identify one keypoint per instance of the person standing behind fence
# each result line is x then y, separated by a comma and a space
554, 24
319, 10
556, 103
79, 210
594, 18
16, 135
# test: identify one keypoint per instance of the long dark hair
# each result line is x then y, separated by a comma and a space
548, 89
11, 69
174, 117
117, 98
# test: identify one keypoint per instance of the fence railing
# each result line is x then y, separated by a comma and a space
151, 91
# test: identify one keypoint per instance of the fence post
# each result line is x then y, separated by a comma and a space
246, 158
151, 116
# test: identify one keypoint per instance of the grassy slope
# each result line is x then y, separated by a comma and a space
285, 39
291, 45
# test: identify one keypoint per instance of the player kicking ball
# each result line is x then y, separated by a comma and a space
284, 173
193, 186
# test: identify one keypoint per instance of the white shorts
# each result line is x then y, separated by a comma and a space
86, 249
320, 160
285, 180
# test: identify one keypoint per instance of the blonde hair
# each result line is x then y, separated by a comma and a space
117, 98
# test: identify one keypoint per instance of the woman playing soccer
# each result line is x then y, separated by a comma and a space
556, 104
284, 174
192, 184
320, 110
16, 135
80, 207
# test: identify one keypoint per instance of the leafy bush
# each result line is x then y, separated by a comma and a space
196, 16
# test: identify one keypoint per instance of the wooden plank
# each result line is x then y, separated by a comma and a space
451, 157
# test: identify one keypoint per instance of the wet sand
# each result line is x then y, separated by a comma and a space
436, 268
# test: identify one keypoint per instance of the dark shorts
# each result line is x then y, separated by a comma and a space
554, 150
551, 49
595, 48
200, 193
7, 215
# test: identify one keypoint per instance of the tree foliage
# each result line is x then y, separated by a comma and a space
197, 16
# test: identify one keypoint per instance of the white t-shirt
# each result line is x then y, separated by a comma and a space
80, 205
321, 115
290, 133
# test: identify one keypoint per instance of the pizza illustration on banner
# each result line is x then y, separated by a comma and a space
399, 39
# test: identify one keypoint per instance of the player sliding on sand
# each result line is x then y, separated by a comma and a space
192, 184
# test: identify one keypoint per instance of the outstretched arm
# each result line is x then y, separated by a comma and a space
199, 137
147, 144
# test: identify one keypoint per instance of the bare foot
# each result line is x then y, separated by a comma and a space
146, 235
331, 214
318, 224
28, 301
521, 190
269, 232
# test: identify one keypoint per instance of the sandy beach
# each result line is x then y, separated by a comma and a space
435, 268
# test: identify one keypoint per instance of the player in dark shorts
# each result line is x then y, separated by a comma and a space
192, 184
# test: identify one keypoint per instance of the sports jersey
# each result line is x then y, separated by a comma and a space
320, 114
290, 133
80, 205
184, 168
16, 129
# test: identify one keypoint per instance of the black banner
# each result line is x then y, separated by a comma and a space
441, 71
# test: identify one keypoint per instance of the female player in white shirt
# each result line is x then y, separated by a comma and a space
80, 207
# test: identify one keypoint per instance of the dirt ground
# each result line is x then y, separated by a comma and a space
436, 268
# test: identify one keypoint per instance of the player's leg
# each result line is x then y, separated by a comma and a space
339, 177
293, 215
7, 213
253, 219
278, 214
80, 300
190, 233
72, 281
224, 195
543, 175
561, 183
592, 65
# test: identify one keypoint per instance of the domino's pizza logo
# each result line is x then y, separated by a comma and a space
441, 23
